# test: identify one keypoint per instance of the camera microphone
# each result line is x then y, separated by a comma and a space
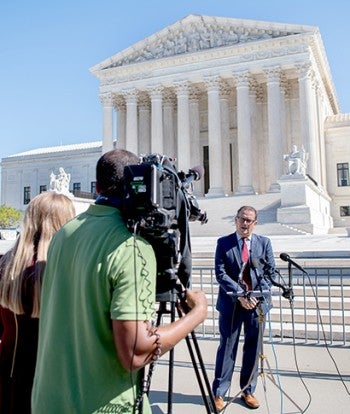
286, 258
194, 174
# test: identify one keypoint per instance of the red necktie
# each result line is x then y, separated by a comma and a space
245, 259
245, 254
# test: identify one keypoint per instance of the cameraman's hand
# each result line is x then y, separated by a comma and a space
197, 301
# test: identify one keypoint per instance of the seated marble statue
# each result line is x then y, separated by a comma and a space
60, 182
297, 161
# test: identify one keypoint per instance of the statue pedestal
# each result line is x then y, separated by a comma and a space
304, 205
81, 204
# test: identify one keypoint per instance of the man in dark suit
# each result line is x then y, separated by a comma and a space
238, 271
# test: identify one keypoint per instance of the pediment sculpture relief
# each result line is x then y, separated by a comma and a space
197, 38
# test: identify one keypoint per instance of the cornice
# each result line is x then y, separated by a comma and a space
337, 121
325, 73
208, 61
268, 44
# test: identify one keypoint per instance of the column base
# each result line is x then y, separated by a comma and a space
245, 190
215, 192
274, 188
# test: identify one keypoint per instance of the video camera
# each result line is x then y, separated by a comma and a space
159, 201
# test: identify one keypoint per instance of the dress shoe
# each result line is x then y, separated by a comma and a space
250, 400
219, 403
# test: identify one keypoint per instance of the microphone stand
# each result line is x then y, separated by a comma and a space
260, 356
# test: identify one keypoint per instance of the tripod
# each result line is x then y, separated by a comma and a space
174, 300
263, 359
260, 356
169, 292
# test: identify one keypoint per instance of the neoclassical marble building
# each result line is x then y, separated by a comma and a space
232, 95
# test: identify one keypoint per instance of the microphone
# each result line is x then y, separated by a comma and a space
254, 264
270, 270
194, 174
286, 258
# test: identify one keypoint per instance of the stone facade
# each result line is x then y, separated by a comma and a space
337, 140
232, 95
25, 175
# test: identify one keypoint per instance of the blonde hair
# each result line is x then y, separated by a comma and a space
45, 214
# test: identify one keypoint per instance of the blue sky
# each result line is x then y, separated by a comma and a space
48, 96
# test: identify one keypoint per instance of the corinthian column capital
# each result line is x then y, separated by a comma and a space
106, 99
273, 74
212, 83
182, 88
242, 79
130, 95
305, 70
156, 91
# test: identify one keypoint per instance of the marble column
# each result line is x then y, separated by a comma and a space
214, 137
156, 119
183, 126
275, 137
169, 138
287, 109
244, 135
131, 143
196, 149
307, 117
257, 135
120, 108
144, 133
227, 172
107, 113
320, 129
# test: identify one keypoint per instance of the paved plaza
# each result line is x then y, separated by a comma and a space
303, 378
311, 378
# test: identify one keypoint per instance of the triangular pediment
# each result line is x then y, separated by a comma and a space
196, 33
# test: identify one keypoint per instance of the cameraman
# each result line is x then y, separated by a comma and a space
98, 300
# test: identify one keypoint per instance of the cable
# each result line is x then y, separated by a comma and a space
296, 360
324, 335
276, 362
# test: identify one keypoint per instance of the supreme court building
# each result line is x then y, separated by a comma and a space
234, 96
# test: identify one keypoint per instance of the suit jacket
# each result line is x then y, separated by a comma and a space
228, 265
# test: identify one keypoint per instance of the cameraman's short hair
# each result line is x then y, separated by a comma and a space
110, 171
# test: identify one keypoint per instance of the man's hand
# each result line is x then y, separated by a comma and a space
248, 303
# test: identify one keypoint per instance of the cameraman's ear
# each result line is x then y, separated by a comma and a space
98, 188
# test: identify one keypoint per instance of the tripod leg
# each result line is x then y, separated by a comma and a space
171, 365
211, 408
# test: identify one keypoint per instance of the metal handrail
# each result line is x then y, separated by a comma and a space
321, 305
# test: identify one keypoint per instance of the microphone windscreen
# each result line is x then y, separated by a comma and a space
285, 257
198, 170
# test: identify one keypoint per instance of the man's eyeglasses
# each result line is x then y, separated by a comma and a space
244, 220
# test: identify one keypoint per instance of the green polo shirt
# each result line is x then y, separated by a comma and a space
96, 271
